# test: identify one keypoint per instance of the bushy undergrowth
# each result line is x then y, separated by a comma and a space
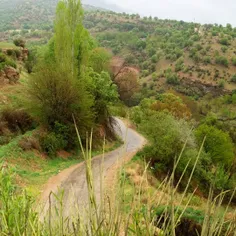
6, 61
168, 133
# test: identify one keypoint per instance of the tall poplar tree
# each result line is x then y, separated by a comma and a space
71, 39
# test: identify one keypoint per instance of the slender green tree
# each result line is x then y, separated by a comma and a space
71, 39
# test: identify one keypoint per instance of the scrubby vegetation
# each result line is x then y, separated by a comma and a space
7, 60
169, 128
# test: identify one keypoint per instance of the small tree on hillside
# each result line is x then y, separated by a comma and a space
19, 43
127, 83
218, 144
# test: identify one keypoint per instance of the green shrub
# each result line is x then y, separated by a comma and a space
11, 52
19, 42
234, 99
233, 61
154, 75
52, 142
17, 52
224, 41
166, 135
10, 63
224, 49
172, 79
2, 66
3, 58
207, 60
222, 61
154, 59
71, 98
221, 83
218, 144
145, 73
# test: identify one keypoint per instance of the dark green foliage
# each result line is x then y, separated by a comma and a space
69, 84
104, 92
179, 65
3, 57
31, 60
172, 79
224, 41
19, 42
11, 52
53, 142
154, 59
222, 83
224, 49
54, 97
167, 136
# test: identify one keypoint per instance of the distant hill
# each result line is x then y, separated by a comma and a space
28, 14
194, 59
93, 8
103, 4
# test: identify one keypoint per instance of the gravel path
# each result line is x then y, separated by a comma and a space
73, 180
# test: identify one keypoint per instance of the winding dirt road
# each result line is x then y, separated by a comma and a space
73, 180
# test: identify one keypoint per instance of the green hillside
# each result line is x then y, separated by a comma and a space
203, 55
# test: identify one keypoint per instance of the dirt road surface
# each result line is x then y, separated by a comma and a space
73, 180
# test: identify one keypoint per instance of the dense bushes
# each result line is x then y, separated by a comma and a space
19, 42
171, 77
168, 135
53, 142
224, 41
218, 144
173, 104
55, 97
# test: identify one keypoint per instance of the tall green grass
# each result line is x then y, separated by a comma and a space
106, 216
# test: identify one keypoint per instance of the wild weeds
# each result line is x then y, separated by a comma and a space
106, 215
